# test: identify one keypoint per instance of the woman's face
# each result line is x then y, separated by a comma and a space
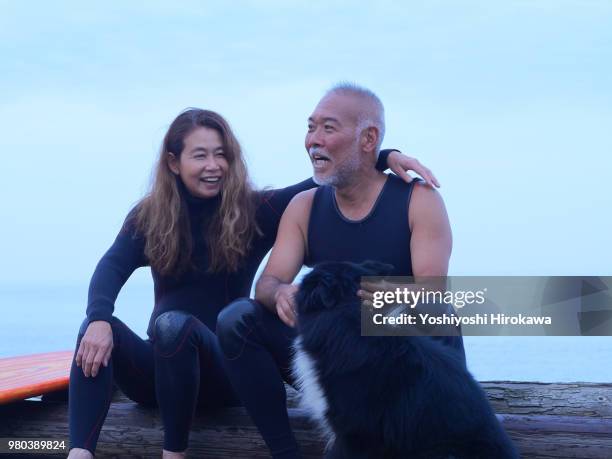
202, 165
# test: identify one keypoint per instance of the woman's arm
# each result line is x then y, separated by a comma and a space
113, 270
400, 164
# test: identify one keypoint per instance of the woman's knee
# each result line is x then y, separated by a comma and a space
169, 330
234, 323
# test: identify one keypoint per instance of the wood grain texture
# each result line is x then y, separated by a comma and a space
545, 420
575, 399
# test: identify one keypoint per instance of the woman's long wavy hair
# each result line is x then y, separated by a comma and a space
162, 216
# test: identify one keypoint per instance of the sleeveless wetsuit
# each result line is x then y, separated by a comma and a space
258, 346
383, 235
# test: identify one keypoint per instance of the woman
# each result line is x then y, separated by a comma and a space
204, 231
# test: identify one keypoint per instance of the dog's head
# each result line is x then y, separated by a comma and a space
330, 283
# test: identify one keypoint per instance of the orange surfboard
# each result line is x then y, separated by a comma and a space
30, 375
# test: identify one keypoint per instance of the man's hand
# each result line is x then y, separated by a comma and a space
400, 164
427, 284
367, 289
95, 348
285, 303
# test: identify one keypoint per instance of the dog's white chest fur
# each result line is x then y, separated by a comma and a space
312, 395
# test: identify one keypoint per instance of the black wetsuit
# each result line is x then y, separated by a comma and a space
257, 344
180, 365
382, 235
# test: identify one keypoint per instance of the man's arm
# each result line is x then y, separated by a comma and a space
431, 241
274, 289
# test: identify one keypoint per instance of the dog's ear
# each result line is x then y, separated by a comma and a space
316, 292
376, 268
324, 296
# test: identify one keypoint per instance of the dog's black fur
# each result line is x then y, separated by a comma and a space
389, 397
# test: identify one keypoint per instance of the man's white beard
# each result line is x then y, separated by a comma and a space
345, 173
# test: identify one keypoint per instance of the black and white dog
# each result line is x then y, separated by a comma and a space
385, 397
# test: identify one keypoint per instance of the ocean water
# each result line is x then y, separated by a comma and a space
43, 319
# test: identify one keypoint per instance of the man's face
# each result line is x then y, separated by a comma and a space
332, 140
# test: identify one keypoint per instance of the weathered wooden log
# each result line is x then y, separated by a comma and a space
575, 399
545, 420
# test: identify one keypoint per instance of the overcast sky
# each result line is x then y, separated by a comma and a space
510, 103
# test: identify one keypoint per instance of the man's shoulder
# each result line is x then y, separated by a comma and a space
303, 198
426, 203
300, 205
417, 190
423, 190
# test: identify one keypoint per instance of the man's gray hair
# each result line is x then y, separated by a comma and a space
373, 113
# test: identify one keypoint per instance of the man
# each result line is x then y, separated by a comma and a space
359, 214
